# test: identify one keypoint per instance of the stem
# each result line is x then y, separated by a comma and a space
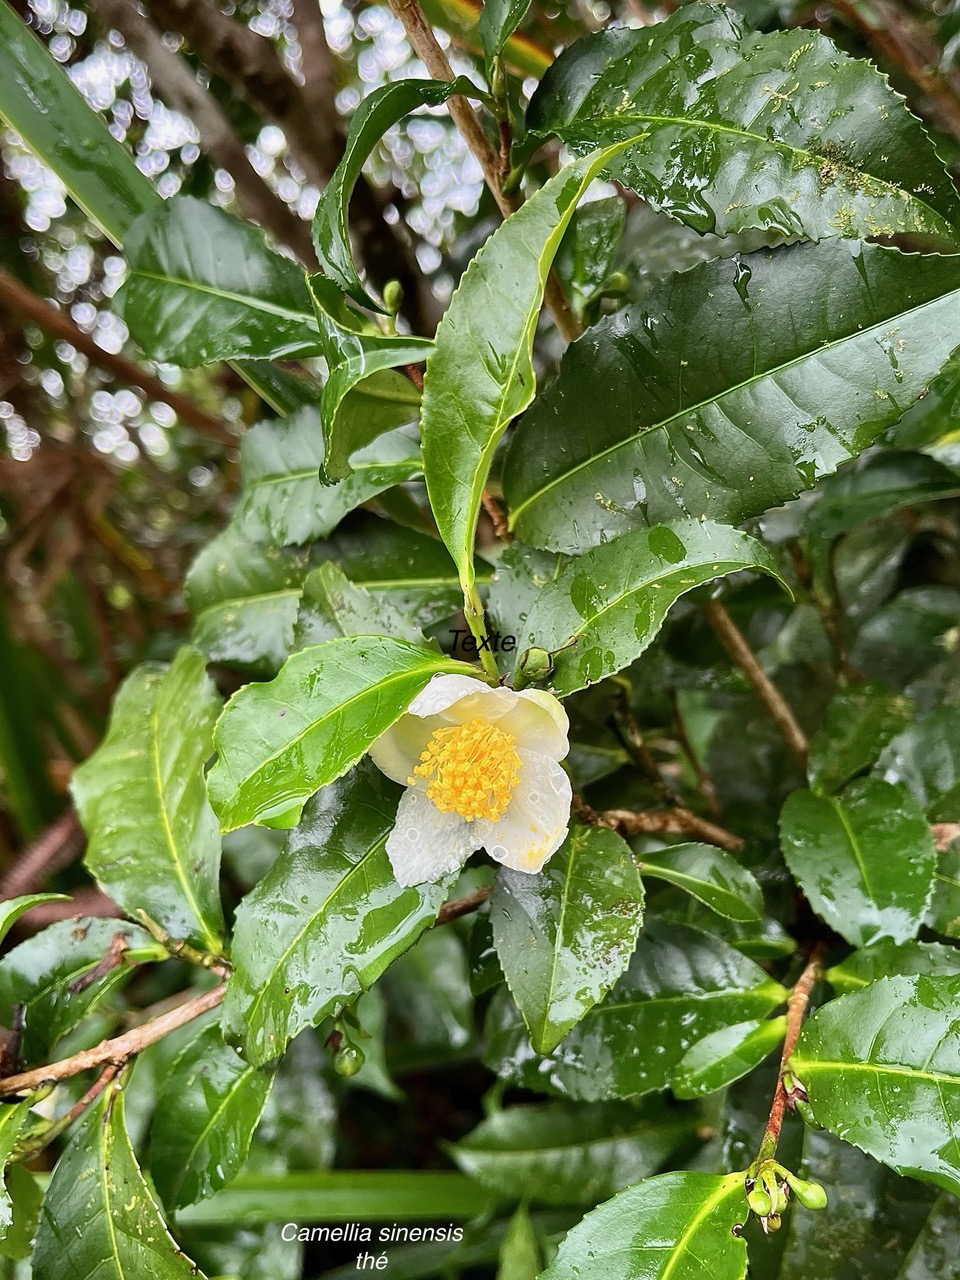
735, 643
32, 1148
458, 907
704, 781
52, 850
670, 822
632, 737
182, 949
473, 612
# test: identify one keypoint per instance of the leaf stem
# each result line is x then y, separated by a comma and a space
473, 612
182, 949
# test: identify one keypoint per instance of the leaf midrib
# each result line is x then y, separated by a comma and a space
806, 1065
226, 295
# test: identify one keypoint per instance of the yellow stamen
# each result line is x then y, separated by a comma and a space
471, 769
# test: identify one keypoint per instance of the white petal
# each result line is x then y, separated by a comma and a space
397, 751
539, 723
442, 692
536, 819
426, 844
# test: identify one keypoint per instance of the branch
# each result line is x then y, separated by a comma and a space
458, 907
734, 641
680, 822
53, 850
796, 1008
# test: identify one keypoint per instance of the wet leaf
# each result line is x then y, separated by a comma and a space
944, 913
865, 859
925, 758
13, 1116
875, 486
713, 877
804, 355
520, 1250
326, 920
888, 959
564, 936
726, 1055
497, 22
605, 607
25, 1197
332, 605
779, 131
210, 1104
663, 1227
881, 1068
14, 908
587, 251
860, 721
152, 839
277, 743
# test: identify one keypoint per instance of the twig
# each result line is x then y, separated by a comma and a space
112, 959
113, 1052
182, 949
733, 640
458, 907
829, 614
34, 1146
796, 1008
670, 822
86, 901
53, 850
704, 781
632, 737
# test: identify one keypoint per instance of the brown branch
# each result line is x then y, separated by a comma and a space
458, 907
43, 1140
53, 850
113, 1052
734, 641
632, 738
173, 80
796, 1008
681, 822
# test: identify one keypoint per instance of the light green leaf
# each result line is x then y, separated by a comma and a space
326, 920
278, 743
209, 1106
713, 877
892, 959
881, 1069
481, 374
740, 130
726, 1055
98, 1217
13, 1116
26, 1198
14, 908
865, 859
152, 837
332, 605
204, 287
925, 758
605, 607
859, 723
520, 1250
804, 355
678, 1226
564, 936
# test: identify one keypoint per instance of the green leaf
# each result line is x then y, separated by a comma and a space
860, 722
26, 1198
520, 1250
564, 936
326, 920
726, 1055
925, 758
210, 1104
14, 908
203, 287
39, 975
892, 959
558, 1153
152, 838
608, 604
278, 743
937, 414
664, 1228
944, 913
865, 859
876, 486
283, 500
681, 985
804, 355
428, 995
588, 249
497, 22
13, 1116
481, 374
98, 1217
881, 1069
713, 877
377, 113
332, 605
738, 130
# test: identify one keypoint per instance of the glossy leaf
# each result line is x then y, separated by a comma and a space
944, 913
664, 1227
152, 837
332, 605
587, 251
14, 908
209, 1106
804, 355
555, 1153
39, 975
203, 287
682, 984
713, 877
881, 1069
99, 1217
497, 22
875, 486
891, 959
278, 743
925, 758
564, 936
26, 1198
859, 723
739, 130
481, 374
13, 1116
326, 920
605, 607
725, 1056
865, 859
283, 500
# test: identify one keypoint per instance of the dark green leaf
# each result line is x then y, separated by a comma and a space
564, 936
332, 605
944, 914
557, 1153
872, 487
891, 959
926, 759
14, 908
865, 859
278, 743
26, 1198
497, 22
327, 919
13, 1116
611, 601
681, 985
204, 287
726, 1055
740, 130
803, 355
587, 251
881, 1069
98, 1217
152, 837
905, 637
709, 874
429, 1000
210, 1104
936, 414
860, 721
678, 1225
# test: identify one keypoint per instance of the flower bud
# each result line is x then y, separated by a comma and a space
348, 1060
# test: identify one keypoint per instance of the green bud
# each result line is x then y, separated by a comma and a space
348, 1060
393, 296
534, 664
810, 1194
616, 285
760, 1201
772, 1223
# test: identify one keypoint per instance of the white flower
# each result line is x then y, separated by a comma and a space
481, 771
